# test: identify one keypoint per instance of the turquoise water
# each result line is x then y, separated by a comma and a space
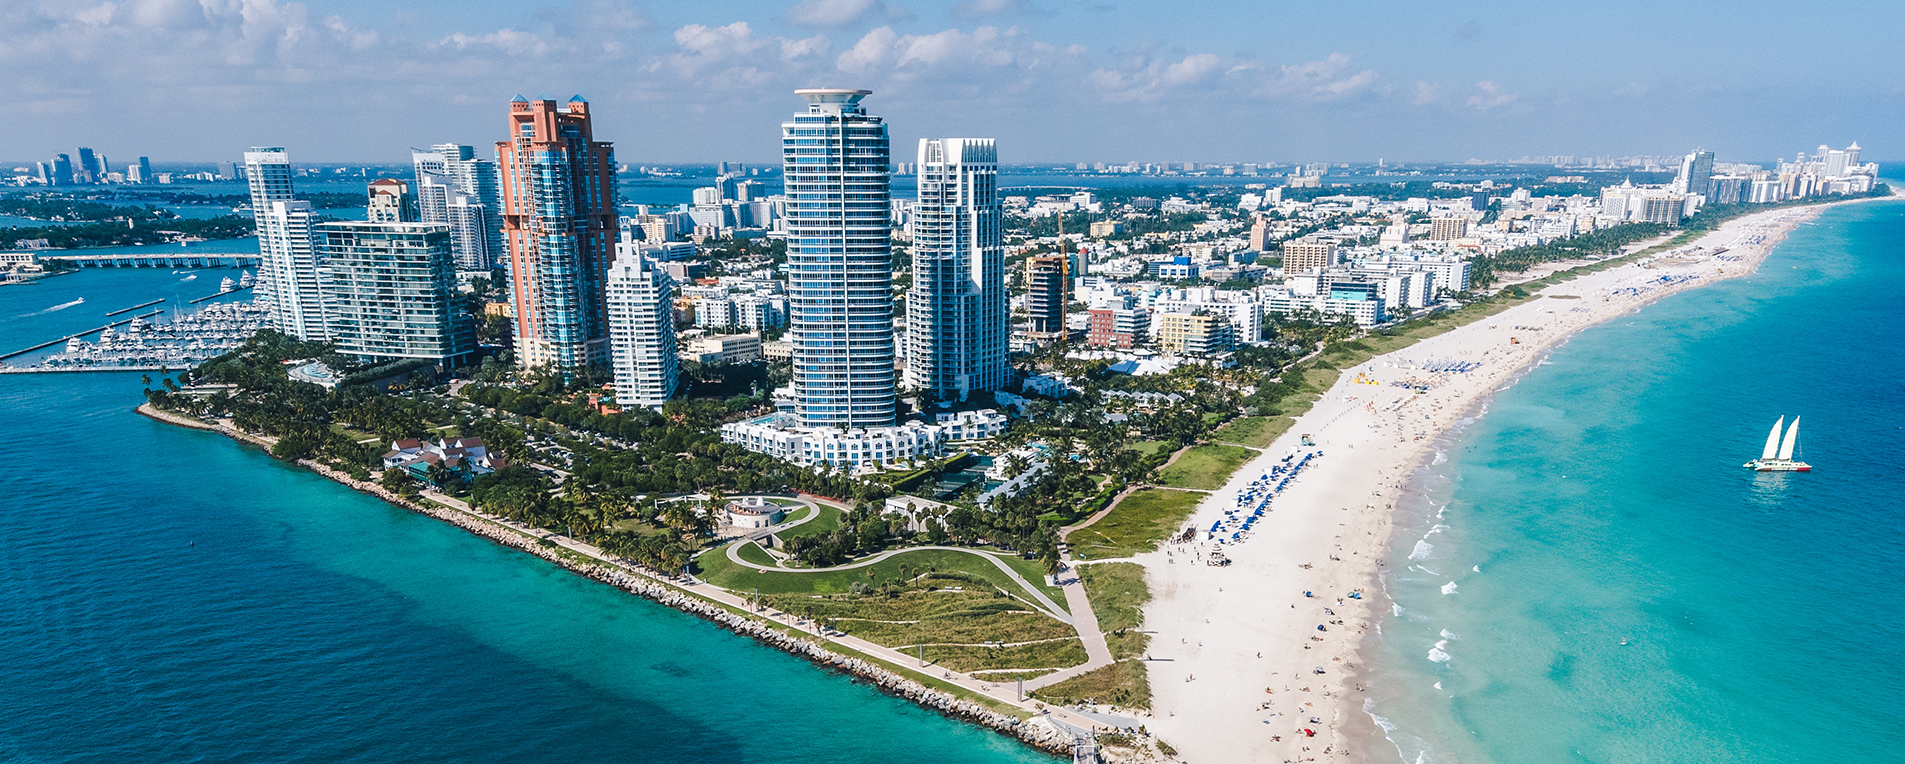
173, 596
1602, 498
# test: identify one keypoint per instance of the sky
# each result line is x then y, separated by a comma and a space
1053, 80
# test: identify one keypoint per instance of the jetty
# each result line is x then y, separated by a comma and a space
136, 307
48, 344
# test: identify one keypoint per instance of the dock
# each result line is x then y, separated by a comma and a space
136, 307
45, 345
215, 296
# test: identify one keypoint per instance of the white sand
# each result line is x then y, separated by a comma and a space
1225, 635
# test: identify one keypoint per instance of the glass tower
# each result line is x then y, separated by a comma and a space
839, 261
559, 225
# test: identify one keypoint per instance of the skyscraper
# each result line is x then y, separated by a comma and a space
1696, 173
141, 172
287, 257
62, 171
641, 331
450, 170
88, 170
559, 224
390, 291
956, 312
839, 261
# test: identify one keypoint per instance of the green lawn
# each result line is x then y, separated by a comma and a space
753, 553
1037, 655
827, 522
1256, 431
1148, 447
1136, 525
1124, 683
1117, 593
1205, 467
716, 569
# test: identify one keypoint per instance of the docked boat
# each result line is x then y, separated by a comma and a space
1778, 454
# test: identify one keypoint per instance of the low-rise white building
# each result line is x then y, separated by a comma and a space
777, 435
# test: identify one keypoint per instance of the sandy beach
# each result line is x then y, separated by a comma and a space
1242, 660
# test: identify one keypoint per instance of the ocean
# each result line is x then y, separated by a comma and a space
1601, 498
174, 596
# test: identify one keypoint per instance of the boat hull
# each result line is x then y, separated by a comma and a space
1777, 465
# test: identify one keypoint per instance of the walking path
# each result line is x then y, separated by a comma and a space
1000, 692
1050, 608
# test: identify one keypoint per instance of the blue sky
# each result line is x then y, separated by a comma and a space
1054, 81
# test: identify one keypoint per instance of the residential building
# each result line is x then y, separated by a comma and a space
1696, 174
287, 256
641, 332
724, 348
1239, 308
956, 312
1448, 228
1105, 229
1118, 327
1304, 255
839, 261
1260, 233
559, 225
141, 172
1045, 295
1364, 306
391, 202
1200, 334
88, 171
390, 291
854, 448
455, 187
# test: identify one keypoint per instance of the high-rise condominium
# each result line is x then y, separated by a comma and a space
390, 291
1696, 174
558, 197
390, 202
141, 172
455, 187
1045, 277
839, 261
287, 258
88, 170
956, 312
641, 331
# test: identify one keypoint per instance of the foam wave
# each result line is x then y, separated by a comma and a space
1421, 552
1438, 654
1448, 588
61, 306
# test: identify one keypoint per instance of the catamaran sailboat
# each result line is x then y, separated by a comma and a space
1778, 454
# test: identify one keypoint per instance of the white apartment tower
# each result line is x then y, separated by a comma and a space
839, 261
287, 256
641, 331
456, 188
956, 312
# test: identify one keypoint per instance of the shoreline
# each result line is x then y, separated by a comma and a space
1036, 732
1258, 658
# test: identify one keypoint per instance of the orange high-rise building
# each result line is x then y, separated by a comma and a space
559, 226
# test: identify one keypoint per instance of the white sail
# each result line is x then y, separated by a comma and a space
1772, 440
1792, 439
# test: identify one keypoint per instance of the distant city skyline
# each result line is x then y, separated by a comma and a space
1055, 81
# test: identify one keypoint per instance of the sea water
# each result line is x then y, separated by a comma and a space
171, 595
1601, 499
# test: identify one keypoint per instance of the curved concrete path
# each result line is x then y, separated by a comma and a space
1050, 608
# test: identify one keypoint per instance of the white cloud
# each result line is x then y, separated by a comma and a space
1492, 95
1427, 93
1145, 79
976, 9
843, 13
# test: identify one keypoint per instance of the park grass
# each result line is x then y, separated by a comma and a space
1253, 431
753, 553
827, 522
1124, 683
1003, 677
1204, 467
958, 628
1062, 654
715, 568
1117, 593
1147, 447
1136, 525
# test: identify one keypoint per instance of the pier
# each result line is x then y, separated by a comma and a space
45, 345
136, 307
141, 260
212, 297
